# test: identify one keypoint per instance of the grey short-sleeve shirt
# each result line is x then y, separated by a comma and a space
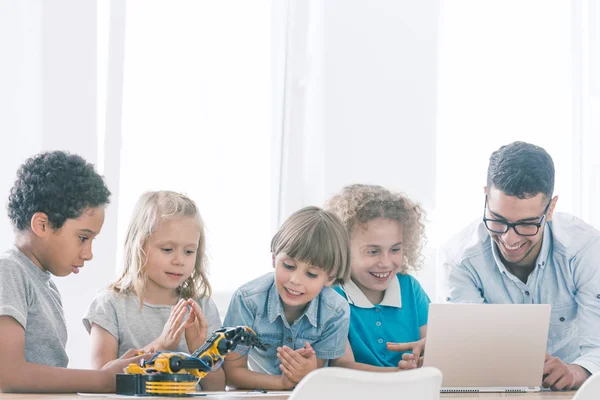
133, 328
29, 295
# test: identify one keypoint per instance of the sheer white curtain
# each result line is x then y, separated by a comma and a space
184, 99
196, 118
515, 71
587, 63
297, 132
372, 96
505, 74
48, 99
359, 101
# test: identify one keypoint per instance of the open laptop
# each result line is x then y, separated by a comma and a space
488, 347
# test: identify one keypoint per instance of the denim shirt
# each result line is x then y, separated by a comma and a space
324, 323
566, 276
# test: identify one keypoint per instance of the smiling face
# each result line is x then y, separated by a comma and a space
376, 256
298, 282
171, 253
516, 249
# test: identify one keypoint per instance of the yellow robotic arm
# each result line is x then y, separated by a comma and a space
169, 373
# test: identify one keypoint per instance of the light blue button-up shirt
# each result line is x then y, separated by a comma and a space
567, 276
324, 323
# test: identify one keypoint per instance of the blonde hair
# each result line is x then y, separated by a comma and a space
317, 237
151, 208
358, 204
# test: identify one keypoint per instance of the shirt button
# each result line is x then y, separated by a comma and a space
380, 340
562, 319
527, 292
378, 323
289, 340
543, 262
598, 297
376, 309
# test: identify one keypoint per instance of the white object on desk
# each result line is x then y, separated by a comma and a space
348, 384
590, 390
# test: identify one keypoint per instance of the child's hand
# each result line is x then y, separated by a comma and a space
286, 384
409, 360
296, 364
196, 327
173, 330
117, 366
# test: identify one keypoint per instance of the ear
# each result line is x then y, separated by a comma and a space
330, 282
40, 225
485, 192
273, 258
551, 208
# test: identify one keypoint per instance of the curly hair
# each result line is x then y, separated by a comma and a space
358, 204
57, 183
151, 208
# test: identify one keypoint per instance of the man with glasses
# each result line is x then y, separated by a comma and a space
521, 252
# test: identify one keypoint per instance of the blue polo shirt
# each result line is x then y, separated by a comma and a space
397, 318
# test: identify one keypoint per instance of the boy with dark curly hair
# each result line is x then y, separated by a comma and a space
57, 208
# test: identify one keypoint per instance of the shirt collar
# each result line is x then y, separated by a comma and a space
542, 258
392, 296
275, 308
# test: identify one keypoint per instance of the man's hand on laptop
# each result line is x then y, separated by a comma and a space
560, 376
411, 360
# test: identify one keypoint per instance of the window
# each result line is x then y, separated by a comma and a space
505, 74
197, 117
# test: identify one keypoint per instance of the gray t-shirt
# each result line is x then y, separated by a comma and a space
133, 328
29, 296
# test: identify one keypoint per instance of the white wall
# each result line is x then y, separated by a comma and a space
380, 95
498, 86
69, 123
361, 107
587, 20
48, 102
362, 102
20, 95
380, 99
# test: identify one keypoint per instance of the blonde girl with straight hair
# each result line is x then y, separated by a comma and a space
161, 301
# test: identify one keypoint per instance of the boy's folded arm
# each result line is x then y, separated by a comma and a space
18, 375
238, 376
347, 360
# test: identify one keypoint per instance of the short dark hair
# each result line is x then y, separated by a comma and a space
57, 183
521, 169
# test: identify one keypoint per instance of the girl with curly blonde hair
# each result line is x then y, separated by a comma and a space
388, 307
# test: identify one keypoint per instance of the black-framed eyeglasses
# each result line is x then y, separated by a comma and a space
520, 228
